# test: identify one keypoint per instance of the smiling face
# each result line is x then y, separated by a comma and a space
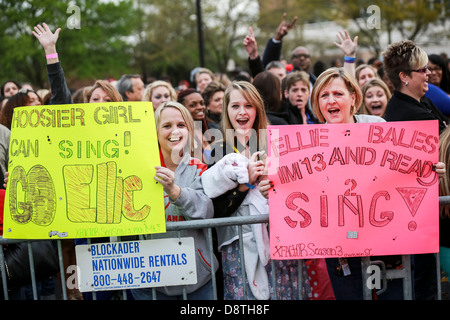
436, 74
417, 83
241, 113
375, 100
173, 133
196, 105
335, 102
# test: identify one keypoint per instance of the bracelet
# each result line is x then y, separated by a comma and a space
52, 56
250, 186
349, 59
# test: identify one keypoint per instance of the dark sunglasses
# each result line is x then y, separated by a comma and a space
300, 55
422, 70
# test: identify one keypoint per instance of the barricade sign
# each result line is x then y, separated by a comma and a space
136, 264
83, 171
345, 190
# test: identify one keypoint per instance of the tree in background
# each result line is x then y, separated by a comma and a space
168, 43
409, 18
98, 49
156, 38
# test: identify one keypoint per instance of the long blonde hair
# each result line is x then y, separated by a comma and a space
147, 96
184, 113
444, 182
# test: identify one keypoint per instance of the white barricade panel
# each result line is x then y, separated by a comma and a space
136, 264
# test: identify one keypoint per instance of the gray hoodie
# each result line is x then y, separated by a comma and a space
192, 204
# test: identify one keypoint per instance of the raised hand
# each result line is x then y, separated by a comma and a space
346, 44
284, 27
46, 37
250, 44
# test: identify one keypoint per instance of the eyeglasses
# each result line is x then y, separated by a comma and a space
421, 70
300, 55
437, 69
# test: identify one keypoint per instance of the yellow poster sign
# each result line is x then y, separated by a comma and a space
83, 171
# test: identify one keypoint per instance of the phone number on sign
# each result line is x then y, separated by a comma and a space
127, 279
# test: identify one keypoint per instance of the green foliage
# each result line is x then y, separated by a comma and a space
97, 50
410, 18
159, 37
169, 38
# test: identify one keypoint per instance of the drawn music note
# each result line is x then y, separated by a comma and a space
347, 132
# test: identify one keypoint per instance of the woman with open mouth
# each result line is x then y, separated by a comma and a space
336, 98
184, 198
407, 67
376, 94
244, 124
243, 120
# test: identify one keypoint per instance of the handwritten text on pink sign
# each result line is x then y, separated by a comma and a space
345, 190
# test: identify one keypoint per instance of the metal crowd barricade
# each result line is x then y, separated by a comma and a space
403, 273
32, 269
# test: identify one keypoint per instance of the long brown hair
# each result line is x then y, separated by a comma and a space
251, 94
20, 99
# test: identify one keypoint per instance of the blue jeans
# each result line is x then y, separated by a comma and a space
46, 290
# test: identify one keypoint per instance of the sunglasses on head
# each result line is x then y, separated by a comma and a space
26, 90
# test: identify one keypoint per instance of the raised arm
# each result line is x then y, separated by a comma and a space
254, 60
348, 47
58, 86
274, 45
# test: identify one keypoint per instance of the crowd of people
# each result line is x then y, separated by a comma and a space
227, 177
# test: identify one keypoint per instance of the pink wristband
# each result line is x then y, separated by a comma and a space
52, 56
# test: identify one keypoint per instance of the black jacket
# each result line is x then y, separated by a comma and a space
294, 116
402, 107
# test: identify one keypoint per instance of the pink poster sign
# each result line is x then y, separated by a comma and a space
348, 190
